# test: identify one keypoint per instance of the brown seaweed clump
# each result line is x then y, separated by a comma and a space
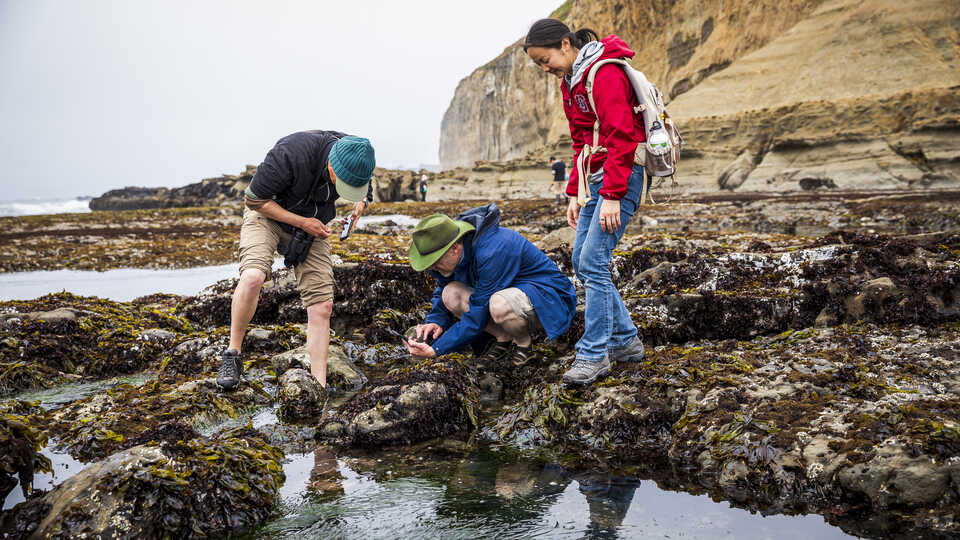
195, 488
97, 426
425, 401
20, 442
61, 336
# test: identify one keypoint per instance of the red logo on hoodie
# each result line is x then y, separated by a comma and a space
582, 102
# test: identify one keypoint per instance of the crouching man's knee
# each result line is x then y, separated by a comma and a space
500, 308
456, 298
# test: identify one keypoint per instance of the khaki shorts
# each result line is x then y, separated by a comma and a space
259, 237
520, 304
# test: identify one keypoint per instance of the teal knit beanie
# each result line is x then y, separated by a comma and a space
352, 160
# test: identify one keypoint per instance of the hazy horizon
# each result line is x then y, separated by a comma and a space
105, 94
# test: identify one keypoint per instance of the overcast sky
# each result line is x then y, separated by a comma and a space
101, 94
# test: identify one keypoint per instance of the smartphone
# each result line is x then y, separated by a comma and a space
347, 227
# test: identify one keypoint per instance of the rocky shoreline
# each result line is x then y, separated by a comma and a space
802, 357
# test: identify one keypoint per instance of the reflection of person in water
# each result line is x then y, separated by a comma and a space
325, 478
527, 490
609, 497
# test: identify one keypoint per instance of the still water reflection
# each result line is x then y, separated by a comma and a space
489, 495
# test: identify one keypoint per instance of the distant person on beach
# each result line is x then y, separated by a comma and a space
489, 279
604, 198
559, 176
423, 187
293, 191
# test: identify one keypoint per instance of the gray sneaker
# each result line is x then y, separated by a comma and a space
634, 352
231, 369
584, 372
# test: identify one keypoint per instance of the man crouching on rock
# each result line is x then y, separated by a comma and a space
294, 190
489, 278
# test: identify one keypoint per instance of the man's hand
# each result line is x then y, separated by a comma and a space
573, 212
428, 331
315, 227
610, 215
420, 349
358, 208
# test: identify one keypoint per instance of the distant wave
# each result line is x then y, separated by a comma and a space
43, 206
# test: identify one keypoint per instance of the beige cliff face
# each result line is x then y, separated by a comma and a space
768, 95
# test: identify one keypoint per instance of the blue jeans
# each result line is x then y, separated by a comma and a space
607, 323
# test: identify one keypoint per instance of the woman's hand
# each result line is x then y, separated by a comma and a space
610, 215
573, 213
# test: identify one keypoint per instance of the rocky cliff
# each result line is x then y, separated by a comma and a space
792, 94
227, 190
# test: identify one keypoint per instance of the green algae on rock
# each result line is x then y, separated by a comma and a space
21, 438
194, 488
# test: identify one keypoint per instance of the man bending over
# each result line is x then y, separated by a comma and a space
489, 278
294, 189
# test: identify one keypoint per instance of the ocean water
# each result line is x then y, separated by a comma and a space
121, 285
28, 207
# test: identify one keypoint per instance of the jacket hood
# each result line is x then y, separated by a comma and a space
608, 47
483, 218
614, 47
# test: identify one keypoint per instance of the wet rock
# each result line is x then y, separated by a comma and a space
733, 480
158, 335
893, 477
195, 356
211, 487
56, 315
559, 238
21, 438
300, 396
491, 387
97, 426
413, 405
260, 334
875, 294
341, 373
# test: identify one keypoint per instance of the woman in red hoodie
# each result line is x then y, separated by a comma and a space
612, 180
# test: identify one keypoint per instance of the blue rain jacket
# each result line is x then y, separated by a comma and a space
496, 258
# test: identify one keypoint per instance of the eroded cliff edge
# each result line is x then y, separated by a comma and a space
769, 95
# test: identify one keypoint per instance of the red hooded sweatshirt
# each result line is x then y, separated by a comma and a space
620, 129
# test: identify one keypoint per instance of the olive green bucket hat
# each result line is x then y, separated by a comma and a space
432, 237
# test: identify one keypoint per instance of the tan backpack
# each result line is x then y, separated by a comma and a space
659, 155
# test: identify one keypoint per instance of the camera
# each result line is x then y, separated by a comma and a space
296, 251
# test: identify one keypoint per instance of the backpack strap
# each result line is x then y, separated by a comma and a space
586, 154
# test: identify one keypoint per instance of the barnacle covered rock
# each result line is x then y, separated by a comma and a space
414, 404
194, 488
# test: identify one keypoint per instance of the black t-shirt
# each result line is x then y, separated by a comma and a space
559, 170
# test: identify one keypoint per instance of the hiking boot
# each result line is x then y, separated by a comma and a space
634, 352
584, 372
496, 351
231, 369
521, 355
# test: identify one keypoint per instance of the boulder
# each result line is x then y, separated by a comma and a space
894, 477
300, 396
341, 373
201, 487
412, 405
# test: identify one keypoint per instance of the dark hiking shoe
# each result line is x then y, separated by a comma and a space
521, 355
231, 369
584, 372
634, 352
496, 351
